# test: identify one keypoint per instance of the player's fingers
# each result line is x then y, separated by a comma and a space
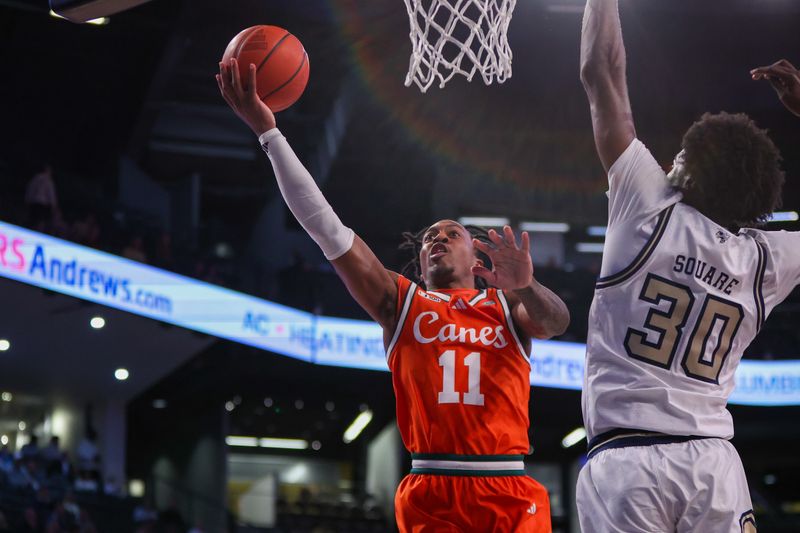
235, 85
786, 63
496, 238
251, 79
511, 240
526, 242
485, 273
482, 246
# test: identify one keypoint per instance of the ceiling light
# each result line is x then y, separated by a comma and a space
267, 402
97, 322
487, 222
136, 488
284, 444
358, 425
299, 404
121, 374
597, 231
590, 247
4, 345
230, 406
7, 396
4, 440
316, 445
330, 406
159, 403
784, 216
22, 425
544, 227
573, 437
247, 442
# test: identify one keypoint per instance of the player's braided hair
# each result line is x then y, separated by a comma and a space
734, 170
412, 242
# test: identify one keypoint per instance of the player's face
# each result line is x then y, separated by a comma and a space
447, 255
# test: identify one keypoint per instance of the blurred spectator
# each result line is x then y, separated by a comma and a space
86, 231
29, 522
164, 258
135, 249
68, 517
112, 487
145, 513
88, 456
6, 459
41, 201
51, 457
170, 520
25, 475
31, 449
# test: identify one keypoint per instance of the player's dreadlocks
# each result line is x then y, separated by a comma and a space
413, 243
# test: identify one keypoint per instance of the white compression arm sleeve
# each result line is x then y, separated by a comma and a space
304, 198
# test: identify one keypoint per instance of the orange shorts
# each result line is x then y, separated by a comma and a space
471, 504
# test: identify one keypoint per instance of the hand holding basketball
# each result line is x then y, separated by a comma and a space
512, 267
243, 98
785, 79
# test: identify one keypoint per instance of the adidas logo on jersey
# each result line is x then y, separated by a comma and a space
532, 509
428, 296
459, 304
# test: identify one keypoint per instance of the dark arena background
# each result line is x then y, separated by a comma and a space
201, 364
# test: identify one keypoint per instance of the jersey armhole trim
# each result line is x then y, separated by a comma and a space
410, 293
477, 298
643, 255
758, 283
510, 325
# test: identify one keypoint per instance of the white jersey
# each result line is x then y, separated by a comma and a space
678, 301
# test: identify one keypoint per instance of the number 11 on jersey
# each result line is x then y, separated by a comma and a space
448, 394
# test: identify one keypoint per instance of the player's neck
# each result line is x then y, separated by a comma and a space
452, 285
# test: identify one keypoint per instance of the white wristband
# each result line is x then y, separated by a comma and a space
304, 198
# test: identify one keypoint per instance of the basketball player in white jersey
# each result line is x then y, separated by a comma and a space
685, 286
785, 79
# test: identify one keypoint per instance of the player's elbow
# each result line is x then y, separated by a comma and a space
597, 74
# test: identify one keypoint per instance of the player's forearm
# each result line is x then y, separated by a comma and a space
602, 48
547, 313
304, 198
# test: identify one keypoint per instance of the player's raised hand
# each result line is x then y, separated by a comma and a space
785, 79
243, 98
511, 264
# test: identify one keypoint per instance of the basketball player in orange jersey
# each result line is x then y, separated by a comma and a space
458, 355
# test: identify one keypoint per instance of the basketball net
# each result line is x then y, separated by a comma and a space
450, 37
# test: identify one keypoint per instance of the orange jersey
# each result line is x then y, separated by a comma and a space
461, 376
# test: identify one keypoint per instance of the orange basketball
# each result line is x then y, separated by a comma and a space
280, 60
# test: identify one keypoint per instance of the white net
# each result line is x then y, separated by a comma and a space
450, 37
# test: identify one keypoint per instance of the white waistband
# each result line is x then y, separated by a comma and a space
468, 465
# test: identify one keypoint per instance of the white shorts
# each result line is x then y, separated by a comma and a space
693, 486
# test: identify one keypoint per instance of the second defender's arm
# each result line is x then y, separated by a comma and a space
603, 66
370, 284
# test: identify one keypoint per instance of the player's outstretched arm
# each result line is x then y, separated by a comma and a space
372, 286
603, 76
536, 310
785, 79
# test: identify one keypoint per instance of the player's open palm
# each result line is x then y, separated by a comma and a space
511, 264
785, 79
243, 97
